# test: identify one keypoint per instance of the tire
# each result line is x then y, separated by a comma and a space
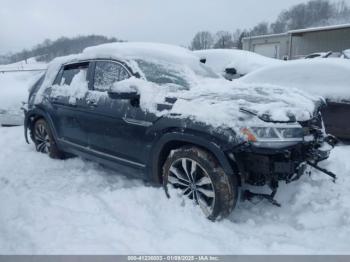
44, 141
213, 190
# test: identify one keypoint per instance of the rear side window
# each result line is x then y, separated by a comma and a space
68, 72
107, 73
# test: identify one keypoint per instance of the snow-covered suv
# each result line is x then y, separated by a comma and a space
155, 111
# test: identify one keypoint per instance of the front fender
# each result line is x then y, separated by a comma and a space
202, 140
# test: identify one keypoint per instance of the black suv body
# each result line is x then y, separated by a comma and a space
78, 108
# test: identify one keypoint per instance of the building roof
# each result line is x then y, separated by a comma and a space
323, 28
300, 31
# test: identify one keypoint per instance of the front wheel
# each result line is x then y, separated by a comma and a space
200, 177
44, 141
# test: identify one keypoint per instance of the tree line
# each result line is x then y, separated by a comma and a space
311, 14
48, 49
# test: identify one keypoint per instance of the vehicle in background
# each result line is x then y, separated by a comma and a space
11, 118
15, 80
156, 112
234, 63
345, 54
329, 78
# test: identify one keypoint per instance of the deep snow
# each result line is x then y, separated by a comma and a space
77, 207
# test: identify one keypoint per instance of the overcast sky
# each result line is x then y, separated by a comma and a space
24, 23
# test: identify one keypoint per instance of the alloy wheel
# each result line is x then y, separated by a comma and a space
42, 138
195, 183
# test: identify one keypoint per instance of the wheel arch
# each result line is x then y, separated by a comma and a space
32, 116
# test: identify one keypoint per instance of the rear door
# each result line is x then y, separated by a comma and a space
68, 100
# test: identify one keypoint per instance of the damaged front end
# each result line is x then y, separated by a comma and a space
282, 152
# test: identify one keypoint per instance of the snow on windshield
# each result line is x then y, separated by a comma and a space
243, 61
329, 78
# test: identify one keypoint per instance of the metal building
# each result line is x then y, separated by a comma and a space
298, 43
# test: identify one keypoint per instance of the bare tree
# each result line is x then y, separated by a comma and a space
224, 40
202, 40
260, 29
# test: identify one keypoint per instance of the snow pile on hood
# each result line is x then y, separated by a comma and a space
243, 61
218, 102
329, 78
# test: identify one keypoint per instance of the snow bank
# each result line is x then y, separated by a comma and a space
77, 207
329, 78
30, 64
243, 61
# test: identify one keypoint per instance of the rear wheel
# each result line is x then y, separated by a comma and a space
43, 140
200, 177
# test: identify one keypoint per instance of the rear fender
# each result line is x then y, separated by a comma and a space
30, 118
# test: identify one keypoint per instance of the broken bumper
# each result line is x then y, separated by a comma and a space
261, 165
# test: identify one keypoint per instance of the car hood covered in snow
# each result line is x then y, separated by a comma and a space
220, 103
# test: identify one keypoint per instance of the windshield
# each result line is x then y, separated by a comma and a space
170, 73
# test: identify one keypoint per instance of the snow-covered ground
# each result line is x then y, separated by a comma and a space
77, 207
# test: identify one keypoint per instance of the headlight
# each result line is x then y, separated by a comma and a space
271, 134
290, 133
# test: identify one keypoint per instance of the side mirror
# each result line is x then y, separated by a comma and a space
203, 60
123, 91
123, 95
231, 71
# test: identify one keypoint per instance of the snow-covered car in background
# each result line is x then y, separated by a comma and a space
15, 80
156, 112
329, 78
345, 54
233, 63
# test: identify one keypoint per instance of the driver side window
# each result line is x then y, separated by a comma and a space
107, 73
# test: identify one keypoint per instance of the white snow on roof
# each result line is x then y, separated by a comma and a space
243, 61
321, 28
329, 78
298, 31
